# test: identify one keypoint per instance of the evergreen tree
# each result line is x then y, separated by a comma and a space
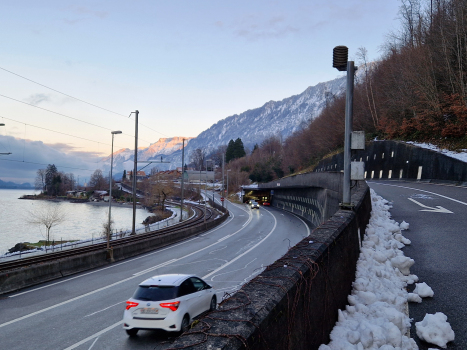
50, 173
230, 151
124, 175
239, 149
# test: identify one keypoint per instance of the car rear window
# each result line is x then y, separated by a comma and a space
155, 293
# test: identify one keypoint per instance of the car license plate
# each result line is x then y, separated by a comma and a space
149, 310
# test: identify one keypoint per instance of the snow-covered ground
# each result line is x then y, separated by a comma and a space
377, 314
457, 155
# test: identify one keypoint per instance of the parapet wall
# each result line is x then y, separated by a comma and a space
35, 274
400, 160
294, 303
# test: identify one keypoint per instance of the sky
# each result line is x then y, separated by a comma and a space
184, 65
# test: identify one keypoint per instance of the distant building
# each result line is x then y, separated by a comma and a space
140, 175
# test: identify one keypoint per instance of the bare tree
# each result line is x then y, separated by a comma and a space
48, 216
97, 181
40, 180
198, 157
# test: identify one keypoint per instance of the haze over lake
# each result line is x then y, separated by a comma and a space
82, 220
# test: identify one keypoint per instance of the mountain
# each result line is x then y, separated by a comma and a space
10, 184
274, 118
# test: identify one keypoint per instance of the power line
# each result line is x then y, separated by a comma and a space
58, 132
67, 116
78, 99
75, 98
23, 161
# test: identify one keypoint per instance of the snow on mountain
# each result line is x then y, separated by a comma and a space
274, 118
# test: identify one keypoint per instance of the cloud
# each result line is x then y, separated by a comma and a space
252, 27
36, 99
29, 156
81, 10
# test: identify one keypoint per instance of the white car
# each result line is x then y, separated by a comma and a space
254, 205
168, 302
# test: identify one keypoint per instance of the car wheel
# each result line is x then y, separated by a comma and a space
213, 305
132, 332
185, 326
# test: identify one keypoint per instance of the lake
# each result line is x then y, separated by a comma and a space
82, 220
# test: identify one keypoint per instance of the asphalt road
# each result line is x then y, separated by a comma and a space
85, 311
439, 243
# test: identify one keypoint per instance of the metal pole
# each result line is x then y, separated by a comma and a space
133, 232
110, 192
205, 190
225, 199
348, 132
223, 188
183, 175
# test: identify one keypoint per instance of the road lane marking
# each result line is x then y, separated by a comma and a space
66, 302
94, 342
246, 252
119, 303
438, 209
154, 267
74, 346
416, 189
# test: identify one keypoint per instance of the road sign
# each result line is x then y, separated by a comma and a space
222, 199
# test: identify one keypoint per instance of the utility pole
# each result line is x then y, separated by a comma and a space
133, 232
223, 188
183, 175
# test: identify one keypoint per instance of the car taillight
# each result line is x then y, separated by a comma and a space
172, 306
130, 304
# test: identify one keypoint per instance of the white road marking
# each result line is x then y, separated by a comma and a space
74, 346
246, 252
94, 342
438, 209
416, 189
154, 267
119, 303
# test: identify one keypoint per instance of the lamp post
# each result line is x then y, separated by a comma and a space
206, 188
110, 193
227, 188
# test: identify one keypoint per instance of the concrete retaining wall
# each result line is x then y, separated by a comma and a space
399, 160
35, 274
313, 196
294, 303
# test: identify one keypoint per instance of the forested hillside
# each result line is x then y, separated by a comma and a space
416, 91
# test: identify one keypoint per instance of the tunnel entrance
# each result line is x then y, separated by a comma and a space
262, 196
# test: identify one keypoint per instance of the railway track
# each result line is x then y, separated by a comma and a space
197, 219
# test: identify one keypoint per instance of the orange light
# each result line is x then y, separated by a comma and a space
130, 304
172, 306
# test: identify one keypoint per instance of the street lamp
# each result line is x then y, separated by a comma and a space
110, 191
206, 188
